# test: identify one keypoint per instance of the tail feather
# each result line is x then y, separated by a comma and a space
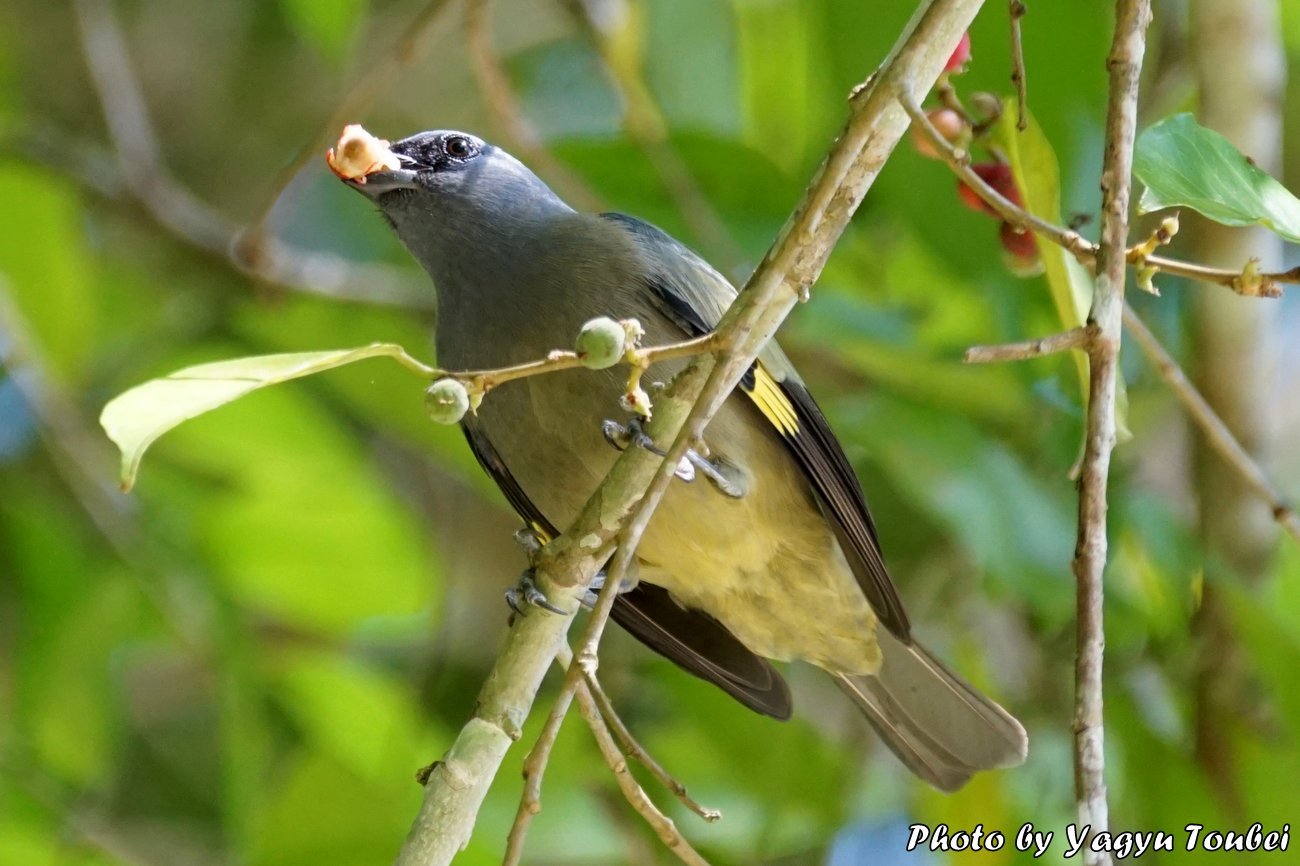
936, 723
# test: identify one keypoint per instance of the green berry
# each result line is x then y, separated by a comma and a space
601, 343
447, 401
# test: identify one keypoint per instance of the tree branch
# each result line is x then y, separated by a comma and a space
1248, 281
636, 796
455, 789
638, 752
1125, 64
1075, 338
600, 716
482, 381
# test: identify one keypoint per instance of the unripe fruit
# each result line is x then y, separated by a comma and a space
949, 124
601, 343
446, 401
997, 175
960, 55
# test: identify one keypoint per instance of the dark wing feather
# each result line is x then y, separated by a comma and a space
693, 640
689, 292
818, 451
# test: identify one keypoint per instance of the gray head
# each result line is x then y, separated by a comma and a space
458, 198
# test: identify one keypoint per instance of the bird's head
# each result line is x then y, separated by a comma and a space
455, 187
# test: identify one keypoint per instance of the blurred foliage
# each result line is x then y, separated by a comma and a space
247, 659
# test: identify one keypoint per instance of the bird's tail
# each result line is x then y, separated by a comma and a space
933, 720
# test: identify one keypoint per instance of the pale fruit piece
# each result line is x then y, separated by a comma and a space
358, 153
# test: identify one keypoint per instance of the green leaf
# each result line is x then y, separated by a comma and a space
136, 418
1038, 177
1184, 164
327, 24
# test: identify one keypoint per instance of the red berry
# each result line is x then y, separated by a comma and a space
1017, 241
997, 175
1020, 252
950, 126
960, 55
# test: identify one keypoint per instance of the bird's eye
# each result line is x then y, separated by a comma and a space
458, 147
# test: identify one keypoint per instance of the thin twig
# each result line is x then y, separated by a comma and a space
1018, 11
483, 381
1125, 64
1075, 338
636, 796
587, 690
456, 787
530, 799
639, 753
501, 99
1217, 434
379, 76
144, 179
1248, 281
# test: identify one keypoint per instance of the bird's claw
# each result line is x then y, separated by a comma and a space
588, 600
632, 433
531, 540
621, 436
716, 472
527, 594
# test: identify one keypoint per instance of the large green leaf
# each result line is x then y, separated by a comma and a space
1184, 164
136, 418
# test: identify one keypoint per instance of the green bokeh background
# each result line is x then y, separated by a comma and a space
245, 660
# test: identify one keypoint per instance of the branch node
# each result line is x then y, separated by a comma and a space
422, 775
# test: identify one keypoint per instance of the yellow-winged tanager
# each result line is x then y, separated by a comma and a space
777, 557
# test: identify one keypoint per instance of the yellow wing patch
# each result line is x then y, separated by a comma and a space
772, 402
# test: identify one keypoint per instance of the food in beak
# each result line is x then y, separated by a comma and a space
358, 154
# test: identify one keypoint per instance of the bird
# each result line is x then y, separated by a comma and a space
773, 554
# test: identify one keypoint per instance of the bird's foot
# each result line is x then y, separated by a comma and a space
532, 540
627, 584
621, 436
527, 594
632, 433
720, 473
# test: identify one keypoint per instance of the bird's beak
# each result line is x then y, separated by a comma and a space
376, 184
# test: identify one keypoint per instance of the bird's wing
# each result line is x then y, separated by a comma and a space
693, 640
694, 296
